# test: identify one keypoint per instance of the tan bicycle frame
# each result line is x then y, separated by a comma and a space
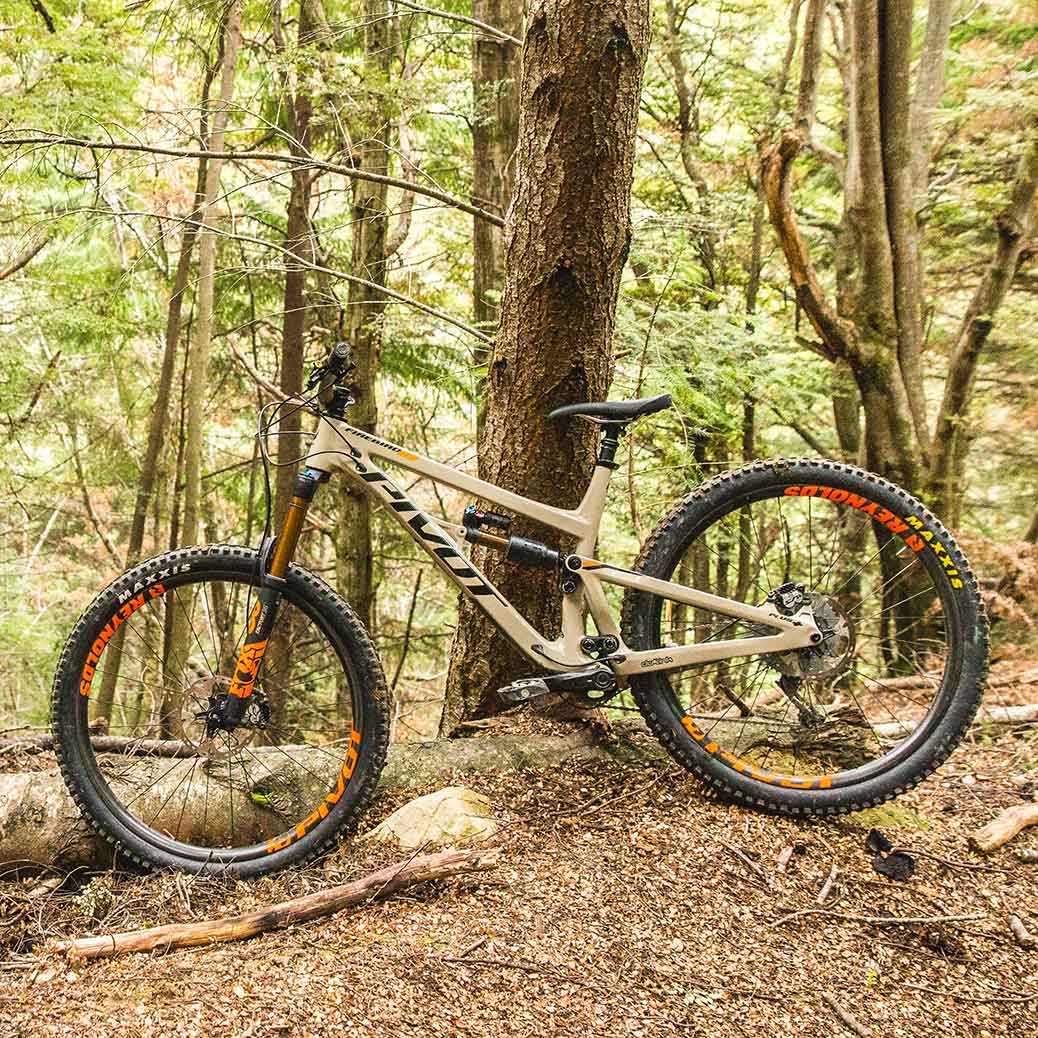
339, 447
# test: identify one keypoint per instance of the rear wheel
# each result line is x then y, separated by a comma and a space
154, 653
871, 710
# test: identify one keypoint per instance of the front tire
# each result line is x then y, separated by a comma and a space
866, 716
156, 646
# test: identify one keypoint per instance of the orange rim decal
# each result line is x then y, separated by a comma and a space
279, 843
772, 778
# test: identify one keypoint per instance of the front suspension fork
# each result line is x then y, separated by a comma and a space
264, 613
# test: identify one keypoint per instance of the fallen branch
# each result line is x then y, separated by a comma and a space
30, 136
852, 1022
40, 826
879, 920
382, 883
107, 744
1003, 828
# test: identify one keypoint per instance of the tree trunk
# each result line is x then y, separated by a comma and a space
875, 327
1013, 224
354, 562
158, 419
198, 371
495, 120
929, 85
568, 236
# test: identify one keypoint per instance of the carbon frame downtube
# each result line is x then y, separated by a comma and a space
268, 601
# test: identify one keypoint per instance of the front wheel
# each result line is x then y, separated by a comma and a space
864, 715
155, 653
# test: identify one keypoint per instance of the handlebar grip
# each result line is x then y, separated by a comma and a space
339, 358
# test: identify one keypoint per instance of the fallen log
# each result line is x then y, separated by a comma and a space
1002, 829
41, 827
417, 869
168, 748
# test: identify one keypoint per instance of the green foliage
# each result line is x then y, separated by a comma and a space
98, 291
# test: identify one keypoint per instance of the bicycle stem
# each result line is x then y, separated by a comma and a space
261, 621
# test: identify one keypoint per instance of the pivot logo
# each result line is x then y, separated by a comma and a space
658, 661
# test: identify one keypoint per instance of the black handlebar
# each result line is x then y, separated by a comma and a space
337, 364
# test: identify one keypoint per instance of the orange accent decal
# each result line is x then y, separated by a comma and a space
279, 843
408, 456
590, 564
247, 668
740, 765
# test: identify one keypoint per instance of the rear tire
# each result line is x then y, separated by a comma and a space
920, 538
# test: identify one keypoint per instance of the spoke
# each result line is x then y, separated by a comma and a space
194, 633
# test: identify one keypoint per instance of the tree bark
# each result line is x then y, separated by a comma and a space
568, 236
495, 121
366, 306
895, 78
929, 86
298, 249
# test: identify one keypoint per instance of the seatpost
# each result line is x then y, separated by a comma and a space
612, 431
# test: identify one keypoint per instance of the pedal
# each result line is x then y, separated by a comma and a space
523, 690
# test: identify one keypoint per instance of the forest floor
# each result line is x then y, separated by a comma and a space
628, 902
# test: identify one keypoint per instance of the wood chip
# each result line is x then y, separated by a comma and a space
827, 886
1021, 934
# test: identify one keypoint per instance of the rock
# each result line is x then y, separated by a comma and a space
449, 815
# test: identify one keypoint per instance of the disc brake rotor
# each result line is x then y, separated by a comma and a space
831, 654
201, 702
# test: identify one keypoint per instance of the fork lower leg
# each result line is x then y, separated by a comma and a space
261, 621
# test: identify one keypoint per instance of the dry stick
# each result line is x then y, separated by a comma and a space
750, 864
783, 859
855, 1025
385, 881
499, 34
879, 920
1003, 828
980, 999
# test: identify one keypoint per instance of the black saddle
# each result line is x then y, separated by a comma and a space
620, 411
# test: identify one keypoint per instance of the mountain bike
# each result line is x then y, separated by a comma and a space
803, 635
